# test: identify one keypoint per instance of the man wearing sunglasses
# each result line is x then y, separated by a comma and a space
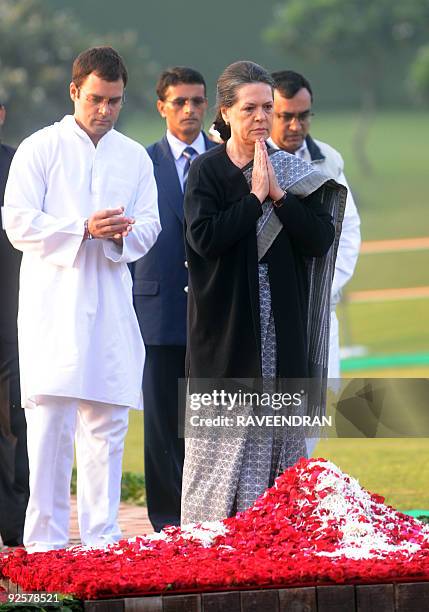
293, 100
80, 203
159, 290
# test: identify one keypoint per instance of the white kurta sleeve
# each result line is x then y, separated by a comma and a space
349, 245
28, 227
147, 225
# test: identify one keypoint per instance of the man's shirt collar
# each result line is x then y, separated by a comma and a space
177, 146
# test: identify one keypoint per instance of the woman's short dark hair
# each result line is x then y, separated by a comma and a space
175, 76
105, 62
232, 78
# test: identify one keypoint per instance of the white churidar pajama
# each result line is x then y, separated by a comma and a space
78, 333
100, 434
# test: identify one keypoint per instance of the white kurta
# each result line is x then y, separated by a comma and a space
78, 332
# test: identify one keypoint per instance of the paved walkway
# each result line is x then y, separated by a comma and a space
133, 520
399, 244
388, 295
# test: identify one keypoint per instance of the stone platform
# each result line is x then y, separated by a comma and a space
401, 597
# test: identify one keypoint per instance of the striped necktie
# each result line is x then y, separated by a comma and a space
188, 153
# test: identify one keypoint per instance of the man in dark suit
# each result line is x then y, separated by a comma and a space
159, 290
13, 444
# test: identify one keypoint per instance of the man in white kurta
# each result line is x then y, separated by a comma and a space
81, 352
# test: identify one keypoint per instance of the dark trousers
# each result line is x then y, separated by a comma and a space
163, 450
13, 448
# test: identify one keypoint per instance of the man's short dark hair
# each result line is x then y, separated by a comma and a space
175, 76
288, 83
105, 62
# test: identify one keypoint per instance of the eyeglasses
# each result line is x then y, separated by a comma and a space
113, 103
300, 117
180, 102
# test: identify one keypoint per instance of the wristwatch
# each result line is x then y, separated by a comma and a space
87, 234
279, 203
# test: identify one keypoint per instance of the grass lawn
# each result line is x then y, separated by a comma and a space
391, 270
397, 469
133, 455
393, 200
386, 327
144, 128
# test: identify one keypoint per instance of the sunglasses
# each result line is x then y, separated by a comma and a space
181, 102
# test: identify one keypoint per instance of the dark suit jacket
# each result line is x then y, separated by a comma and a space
161, 276
6, 154
10, 261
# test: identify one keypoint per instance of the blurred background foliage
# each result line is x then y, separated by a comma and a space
38, 43
354, 52
371, 39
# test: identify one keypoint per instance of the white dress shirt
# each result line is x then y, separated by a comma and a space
178, 146
78, 332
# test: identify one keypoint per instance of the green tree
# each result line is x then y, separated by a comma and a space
419, 73
364, 36
37, 48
